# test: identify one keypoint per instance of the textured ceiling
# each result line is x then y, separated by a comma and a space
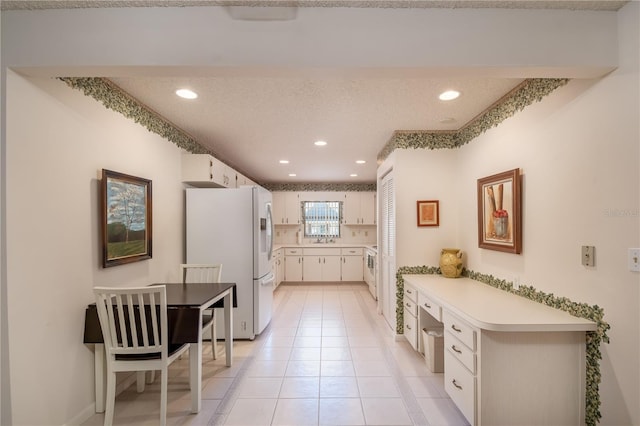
512, 4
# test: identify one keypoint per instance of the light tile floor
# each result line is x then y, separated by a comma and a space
327, 358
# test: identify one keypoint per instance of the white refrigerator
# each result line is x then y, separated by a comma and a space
234, 227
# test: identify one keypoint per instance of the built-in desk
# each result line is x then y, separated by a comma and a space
508, 360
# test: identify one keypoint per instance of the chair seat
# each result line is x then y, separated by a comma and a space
173, 348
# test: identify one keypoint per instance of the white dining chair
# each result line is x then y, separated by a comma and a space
134, 328
204, 273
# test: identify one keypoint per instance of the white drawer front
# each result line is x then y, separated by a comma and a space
460, 384
430, 306
352, 251
410, 306
411, 330
293, 252
321, 251
411, 294
460, 329
460, 351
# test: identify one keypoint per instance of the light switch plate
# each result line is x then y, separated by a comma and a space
634, 259
588, 255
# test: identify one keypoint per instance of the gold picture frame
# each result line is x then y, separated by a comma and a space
499, 212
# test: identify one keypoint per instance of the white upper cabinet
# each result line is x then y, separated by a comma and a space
359, 208
207, 171
286, 208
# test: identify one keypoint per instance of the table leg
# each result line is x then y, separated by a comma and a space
99, 372
195, 371
228, 323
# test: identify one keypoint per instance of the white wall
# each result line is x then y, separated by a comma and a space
579, 153
57, 142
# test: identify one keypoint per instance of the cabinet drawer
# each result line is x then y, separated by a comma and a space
460, 351
411, 330
410, 306
460, 384
352, 251
430, 306
292, 251
411, 294
462, 330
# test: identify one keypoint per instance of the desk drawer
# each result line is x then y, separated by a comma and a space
430, 306
411, 330
462, 330
460, 384
460, 351
411, 294
410, 306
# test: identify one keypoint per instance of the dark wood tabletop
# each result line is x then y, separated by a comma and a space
184, 302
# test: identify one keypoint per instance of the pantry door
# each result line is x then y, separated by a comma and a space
387, 289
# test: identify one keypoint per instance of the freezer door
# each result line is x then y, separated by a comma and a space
263, 301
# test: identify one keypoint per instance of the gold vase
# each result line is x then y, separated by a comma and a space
451, 262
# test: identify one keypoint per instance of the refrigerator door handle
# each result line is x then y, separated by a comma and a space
268, 280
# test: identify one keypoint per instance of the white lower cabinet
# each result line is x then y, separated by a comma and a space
507, 360
292, 264
410, 316
352, 264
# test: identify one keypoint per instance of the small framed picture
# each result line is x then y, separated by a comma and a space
499, 215
428, 213
126, 218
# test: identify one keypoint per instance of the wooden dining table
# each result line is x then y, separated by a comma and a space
186, 304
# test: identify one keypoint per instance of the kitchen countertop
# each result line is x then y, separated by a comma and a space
326, 245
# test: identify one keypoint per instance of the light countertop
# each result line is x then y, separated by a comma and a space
489, 308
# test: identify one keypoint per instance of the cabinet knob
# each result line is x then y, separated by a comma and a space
456, 384
455, 349
408, 326
428, 306
456, 329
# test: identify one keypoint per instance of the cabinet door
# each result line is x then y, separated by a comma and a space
352, 268
331, 268
351, 208
292, 208
278, 207
197, 168
293, 268
312, 268
368, 208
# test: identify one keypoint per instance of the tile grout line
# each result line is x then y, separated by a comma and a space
413, 408
231, 396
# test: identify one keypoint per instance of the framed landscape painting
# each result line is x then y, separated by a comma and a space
499, 215
126, 218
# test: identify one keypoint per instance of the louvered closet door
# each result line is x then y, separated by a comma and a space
387, 249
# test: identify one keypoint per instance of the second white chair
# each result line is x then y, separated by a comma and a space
204, 273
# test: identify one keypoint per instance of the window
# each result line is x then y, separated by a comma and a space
321, 218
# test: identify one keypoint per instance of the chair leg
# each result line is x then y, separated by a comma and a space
152, 377
214, 339
111, 398
140, 381
163, 395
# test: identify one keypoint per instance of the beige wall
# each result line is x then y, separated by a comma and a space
57, 142
579, 152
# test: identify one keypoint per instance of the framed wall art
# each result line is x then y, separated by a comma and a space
428, 213
499, 215
125, 218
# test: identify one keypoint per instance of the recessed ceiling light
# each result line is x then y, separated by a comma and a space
448, 120
319, 143
353, 175
292, 175
360, 161
284, 161
449, 95
186, 93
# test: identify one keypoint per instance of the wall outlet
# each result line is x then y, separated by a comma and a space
634, 259
516, 283
243, 325
588, 255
